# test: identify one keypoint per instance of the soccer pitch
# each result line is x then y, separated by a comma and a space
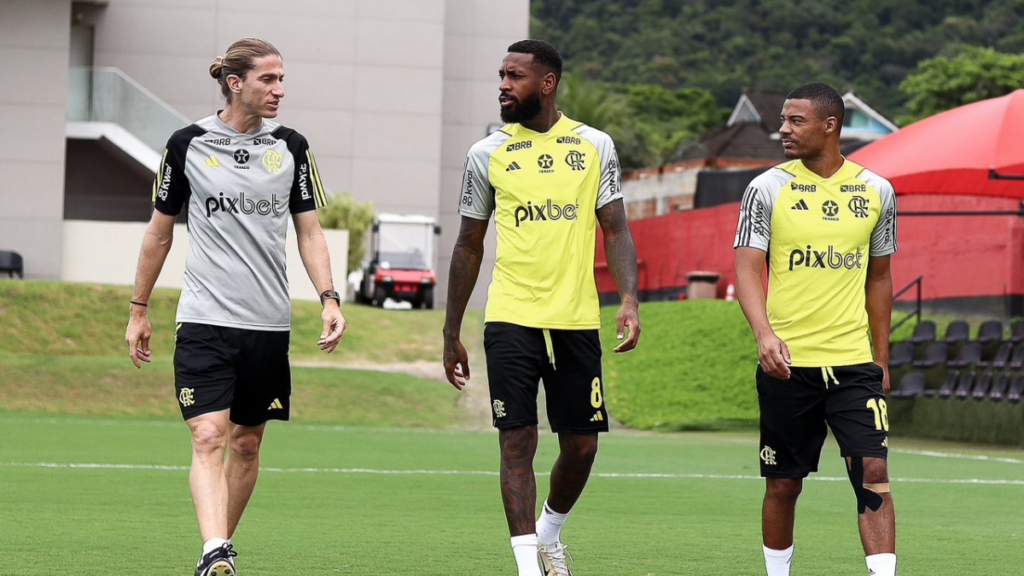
110, 496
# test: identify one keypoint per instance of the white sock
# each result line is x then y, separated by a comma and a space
525, 549
212, 544
549, 525
777, 561
881, 564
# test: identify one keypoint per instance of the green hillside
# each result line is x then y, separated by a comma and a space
693, 370
62, 350
724, 46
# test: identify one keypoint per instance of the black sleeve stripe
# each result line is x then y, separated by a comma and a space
746, 223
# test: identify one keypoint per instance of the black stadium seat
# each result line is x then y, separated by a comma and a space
999, 387
990, 331
911, 385
923, 332
934, 355
948, 385
957, 332
901, 354
982, 386
1017, 358
1016, 389
969, 355
1000, 358
1017, 332
964, 385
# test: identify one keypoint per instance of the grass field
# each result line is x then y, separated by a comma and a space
383, 473
91, 496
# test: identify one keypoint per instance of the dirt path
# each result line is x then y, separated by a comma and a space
474, 398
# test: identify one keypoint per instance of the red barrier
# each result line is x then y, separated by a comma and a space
959, 256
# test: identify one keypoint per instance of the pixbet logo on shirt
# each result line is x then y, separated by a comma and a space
550, 211
829, 258
241, 205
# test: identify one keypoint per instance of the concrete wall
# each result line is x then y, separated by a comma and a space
34, 39
654, 193
107, 253
363, 79
477, 36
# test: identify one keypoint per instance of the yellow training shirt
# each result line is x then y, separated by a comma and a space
819, 234
544, 190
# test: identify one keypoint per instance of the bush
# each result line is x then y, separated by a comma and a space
344, 213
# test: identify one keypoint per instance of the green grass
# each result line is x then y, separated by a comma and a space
112, 386
327, 504
693, 369
65, 319
62, 352
376, 473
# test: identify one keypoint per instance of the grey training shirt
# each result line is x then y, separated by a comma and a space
240, 190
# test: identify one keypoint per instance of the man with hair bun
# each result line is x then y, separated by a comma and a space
240, 176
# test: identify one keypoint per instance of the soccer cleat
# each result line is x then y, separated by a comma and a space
552, 559
218, 562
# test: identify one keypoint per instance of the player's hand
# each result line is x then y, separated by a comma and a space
885, 377
334, 327
773, 356
456, 363
627, 325
136, 336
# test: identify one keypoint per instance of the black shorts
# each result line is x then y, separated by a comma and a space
794, 414
518, 358
216, 368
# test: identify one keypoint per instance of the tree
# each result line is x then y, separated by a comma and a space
344, 213
666, 119
943, 83
595, 105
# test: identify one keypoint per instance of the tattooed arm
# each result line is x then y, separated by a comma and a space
465, 267
621, 256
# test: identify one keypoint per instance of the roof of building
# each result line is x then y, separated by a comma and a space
742, 140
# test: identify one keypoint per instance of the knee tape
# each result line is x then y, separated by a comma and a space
868, 495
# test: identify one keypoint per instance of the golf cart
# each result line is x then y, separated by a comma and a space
401, 261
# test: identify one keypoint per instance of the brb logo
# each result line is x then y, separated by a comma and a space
241, 205
550, 211
829, 258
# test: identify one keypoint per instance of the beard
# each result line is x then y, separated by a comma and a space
523, 110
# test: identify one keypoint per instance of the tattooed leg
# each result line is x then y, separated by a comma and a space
518, 484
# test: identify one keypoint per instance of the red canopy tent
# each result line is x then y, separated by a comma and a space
975, 149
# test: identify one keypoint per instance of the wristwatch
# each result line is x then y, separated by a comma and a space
329, 295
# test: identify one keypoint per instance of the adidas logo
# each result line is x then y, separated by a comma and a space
512, 167
801, 205
276, 405
598, 417
211, 162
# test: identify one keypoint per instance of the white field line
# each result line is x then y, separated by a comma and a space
978, 457
335, 428
627, 475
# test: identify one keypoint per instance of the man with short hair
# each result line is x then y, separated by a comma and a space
548, 181
240, 176
826, 228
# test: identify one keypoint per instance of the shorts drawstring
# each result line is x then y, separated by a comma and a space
826, 373
550, 347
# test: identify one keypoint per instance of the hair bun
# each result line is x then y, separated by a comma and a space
217, 67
